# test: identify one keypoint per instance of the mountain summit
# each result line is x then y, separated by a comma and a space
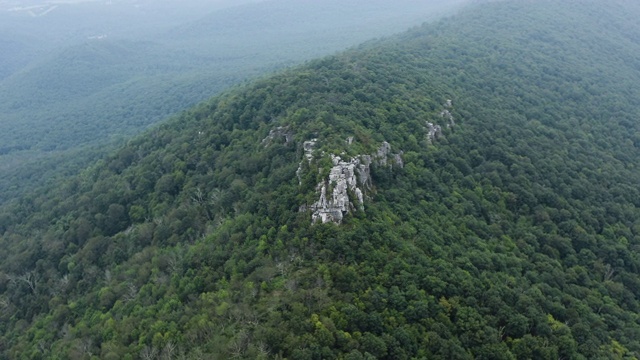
465, 190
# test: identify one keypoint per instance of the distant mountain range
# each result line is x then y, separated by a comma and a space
61, 74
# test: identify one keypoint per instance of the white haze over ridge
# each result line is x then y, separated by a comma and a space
77, 73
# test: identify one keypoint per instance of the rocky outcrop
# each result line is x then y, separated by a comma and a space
434, 132
447, 115
397, 159
335, 201
349, 140
307, 147
279, 132
384, 156
383, 153
344, 188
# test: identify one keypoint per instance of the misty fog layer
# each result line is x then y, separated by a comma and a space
84, 73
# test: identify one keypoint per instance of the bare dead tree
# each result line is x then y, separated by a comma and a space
4, 304
169, 351
608, 272
198, 197
65, 331
238, 346
29, 278
64, 281
44, 347
215, 197
252, 319
85, 346
132, 292
148, 353
501, 333
283, 268
263, 350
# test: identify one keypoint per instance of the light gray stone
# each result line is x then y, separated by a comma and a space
447, 115
383, 153
331, 207
434, 132
397, 158
345, 179
307, 147
280, 131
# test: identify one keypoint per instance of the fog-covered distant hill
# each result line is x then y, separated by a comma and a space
78, 74
66, 22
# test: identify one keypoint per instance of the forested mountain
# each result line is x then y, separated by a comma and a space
85, 75
465, 190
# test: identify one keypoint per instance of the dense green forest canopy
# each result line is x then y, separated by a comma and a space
496, 156
90, 74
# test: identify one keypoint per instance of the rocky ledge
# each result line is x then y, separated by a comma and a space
344, 188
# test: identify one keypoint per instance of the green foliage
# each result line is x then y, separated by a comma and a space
514, 236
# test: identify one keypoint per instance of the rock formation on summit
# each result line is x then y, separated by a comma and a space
344, 188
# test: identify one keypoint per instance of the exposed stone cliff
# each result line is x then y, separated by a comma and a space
279, 132
344, 188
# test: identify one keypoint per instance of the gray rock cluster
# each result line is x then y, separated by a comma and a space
334, 199
343, 190
280, 131
447, 115
307, 147
434, 131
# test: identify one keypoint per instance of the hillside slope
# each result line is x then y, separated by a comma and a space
467, 190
